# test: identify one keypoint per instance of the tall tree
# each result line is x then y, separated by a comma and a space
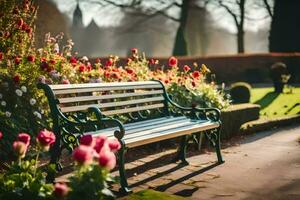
285, 27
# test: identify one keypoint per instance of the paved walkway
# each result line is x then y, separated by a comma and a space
261, 166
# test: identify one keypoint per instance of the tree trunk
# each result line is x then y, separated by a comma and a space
240, 40
180, 45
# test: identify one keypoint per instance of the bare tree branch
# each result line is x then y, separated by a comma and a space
268, 7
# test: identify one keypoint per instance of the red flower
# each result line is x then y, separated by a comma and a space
1, 135
129, 60
193, 84
65, 81
129, 70
17, 60
24, 26
99, 143
153, 61
97, 60
88, 67
45, 138
107, 159
173, 61
25, 138
186, 68
166, 81
17, 78
109, 62
31, 58
114, 144
82, 68
52, 62
1, 55
196, 74
44, 65
86, 140
73, 60
28, 30
20, 22
60, 190
134, 50
20, 148
83, 155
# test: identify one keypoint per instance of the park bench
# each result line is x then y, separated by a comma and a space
136, 113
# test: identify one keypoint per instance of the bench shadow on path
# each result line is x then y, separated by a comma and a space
267, 99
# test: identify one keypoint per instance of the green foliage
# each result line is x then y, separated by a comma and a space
22, 180
240, 92
90, 182
152, 194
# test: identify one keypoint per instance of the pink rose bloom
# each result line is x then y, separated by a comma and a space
60, 190
45, 139
83, 155
25, 138
87, 140
173, 61
99, 143
107, 159
113, 144
20, 148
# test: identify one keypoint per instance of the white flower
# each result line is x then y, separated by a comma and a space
19, 92
24, 89
3, 103
1, 96
84, 58
8, 114
56, 48
37, 114
32, 101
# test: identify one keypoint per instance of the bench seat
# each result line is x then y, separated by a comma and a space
149, 131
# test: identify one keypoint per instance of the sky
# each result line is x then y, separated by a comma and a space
111, 16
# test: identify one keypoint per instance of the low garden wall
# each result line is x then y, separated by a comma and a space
252, 68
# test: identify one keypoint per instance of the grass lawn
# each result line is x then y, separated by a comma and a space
152, 195
276, 105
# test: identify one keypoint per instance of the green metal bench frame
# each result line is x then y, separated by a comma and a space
64, 125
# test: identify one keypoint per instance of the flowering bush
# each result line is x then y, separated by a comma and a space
23, 107
24, 179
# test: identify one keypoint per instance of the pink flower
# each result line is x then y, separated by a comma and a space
129, 70
73, 60
107, 159
60, 190
20, 148
186, 68
1, 135
83, 155
17, 60
65, 81
99, 143
82, 68
20, 22
45, 139
25, 138
173, 61
113, 144
134, 50
31, 58
87, 140
109, 62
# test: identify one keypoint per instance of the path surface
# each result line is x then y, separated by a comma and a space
261, 166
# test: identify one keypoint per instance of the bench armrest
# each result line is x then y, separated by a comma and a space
119, 134
194, 110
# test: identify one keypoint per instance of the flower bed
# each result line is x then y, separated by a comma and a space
23, 107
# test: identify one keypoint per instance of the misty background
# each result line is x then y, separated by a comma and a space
99, 30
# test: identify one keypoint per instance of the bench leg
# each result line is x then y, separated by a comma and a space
214, 137
181, 155
218, 146
121, 162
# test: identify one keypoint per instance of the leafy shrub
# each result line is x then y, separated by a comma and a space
240, 92
279, 75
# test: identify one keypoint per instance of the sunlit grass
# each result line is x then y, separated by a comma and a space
277, 105
152, 195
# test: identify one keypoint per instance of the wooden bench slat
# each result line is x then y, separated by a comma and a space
133, 109
99, 89
170, 133
108, 96
96, 85
137, 127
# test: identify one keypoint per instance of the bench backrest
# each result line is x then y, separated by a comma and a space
112, 98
